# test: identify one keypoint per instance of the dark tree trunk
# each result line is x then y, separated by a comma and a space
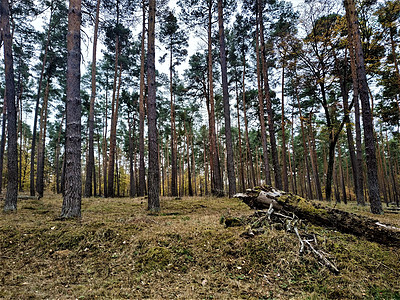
270, 112
10, 203
174, 169
57, 155
246, 126
359, 158
305, 151
372, 170
42, 141
217, 188
132, 180
261, 106
284, 149
90, 169
3, 138
73, 181
142, 179
113, 134
225, 96
154, 174
34, 132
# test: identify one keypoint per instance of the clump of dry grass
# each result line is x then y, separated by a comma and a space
119, 251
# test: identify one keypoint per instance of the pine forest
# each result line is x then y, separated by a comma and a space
158, 125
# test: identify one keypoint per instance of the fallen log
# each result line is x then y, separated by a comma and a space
266, 197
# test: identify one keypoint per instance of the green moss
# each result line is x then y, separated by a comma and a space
155, 258
303, 204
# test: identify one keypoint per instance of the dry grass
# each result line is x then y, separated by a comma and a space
118, 251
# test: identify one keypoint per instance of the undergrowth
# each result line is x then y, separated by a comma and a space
118, 251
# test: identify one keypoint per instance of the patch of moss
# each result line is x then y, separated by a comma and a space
155, 258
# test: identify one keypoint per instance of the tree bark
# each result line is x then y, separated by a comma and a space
284, 149
113, 133
34, 132
225, 96
42, 142
217, 187
261, 106
246, 125
73, 181
372, 170
10, 203
153, 175
270, 112
3, 138
142, 179
132, 179
90, 169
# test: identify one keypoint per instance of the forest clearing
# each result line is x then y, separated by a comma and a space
120, 251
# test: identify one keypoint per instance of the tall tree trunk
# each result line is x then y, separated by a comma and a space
174, 174
105, 158
142, 179
240, 154
113, 133
305, 151
359, 157
225, 96
349, 134
99, 160
284, 149
373, 185
342, 180
314, 162
90, 169
10, 203
73, 181
217, 188
42, 141
34, 132
132, 185
189, 172
3, 138
270, 112
246, 125
261, 106
154, 175
57, 155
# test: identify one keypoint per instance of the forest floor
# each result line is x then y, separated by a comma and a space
118, 251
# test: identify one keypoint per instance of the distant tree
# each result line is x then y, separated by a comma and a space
90, 169
176, 42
